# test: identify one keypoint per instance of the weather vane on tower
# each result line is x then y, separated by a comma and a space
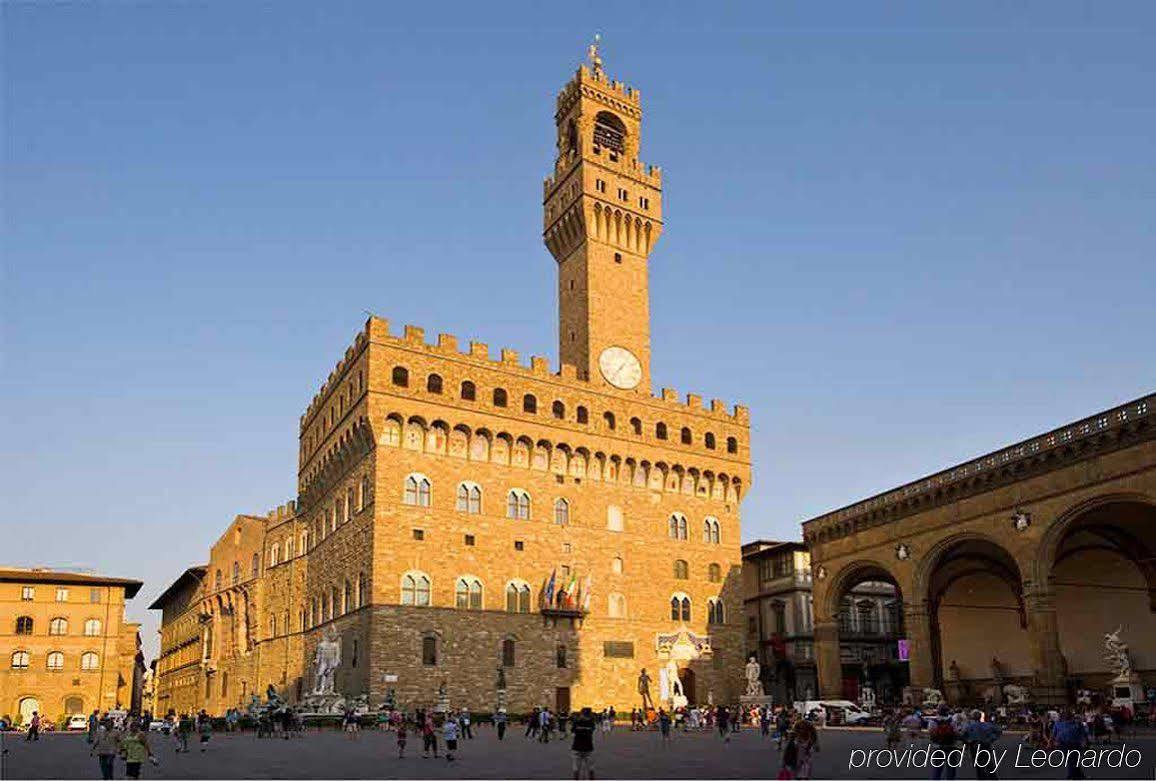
592, 53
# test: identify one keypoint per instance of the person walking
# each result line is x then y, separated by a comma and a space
401, 738
204, 729
980, 734
611, 715
500, 719
533, 723
105, 747
93, 726
582, 746
722, 719
429, 737
806, 744
184, 730
943, 736
135, 747
351, 722
664, 725
1070, 735
465, 722
450, 733
33, 727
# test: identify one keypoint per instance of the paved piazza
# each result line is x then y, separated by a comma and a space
622, 755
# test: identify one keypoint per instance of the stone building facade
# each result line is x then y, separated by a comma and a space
779, 608
459, 513
67, 646
1012, 567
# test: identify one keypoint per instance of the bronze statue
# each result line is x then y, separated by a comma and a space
644, 690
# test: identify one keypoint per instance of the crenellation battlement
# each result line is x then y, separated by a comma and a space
283, 511
510, 359
350, 356
647, 173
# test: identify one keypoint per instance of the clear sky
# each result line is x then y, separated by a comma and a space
903, 233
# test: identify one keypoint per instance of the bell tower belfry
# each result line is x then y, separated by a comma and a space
602, 215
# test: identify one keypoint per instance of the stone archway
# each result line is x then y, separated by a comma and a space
1097, 564
859, 618
978, 623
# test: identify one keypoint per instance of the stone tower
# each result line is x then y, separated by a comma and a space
602, 215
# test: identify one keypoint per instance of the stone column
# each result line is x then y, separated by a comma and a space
921, 662
827, 664
1048, 664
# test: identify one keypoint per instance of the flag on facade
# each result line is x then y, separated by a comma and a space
571, 590
549, 592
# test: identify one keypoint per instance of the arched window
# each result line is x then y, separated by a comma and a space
347, 597
469, 391
362, 499
710, 531
217, 580
391, 434
616, 565
362, 590
677, 527
518, 505
236, 572
714, 610
56, 661
616, 606
609, 132
58, 626
685, 436
89, 661
429, 650
417, 491
415, 589
500, 399
708, 439
92, 627
20, 660
636, 427
681, 569
714, 573
469, 498
583, 415
433, 383
468, 594
608, 419
273, 625
508, 652
560, 657
558, 409
732, 445
660, 430
334, 607
517, 597
680, 607
530, 404
24, 625
274, 554
561, 512
255, 565
614, 520
401, 376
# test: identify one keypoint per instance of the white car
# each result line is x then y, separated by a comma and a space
77, 722
159, 725
852, 713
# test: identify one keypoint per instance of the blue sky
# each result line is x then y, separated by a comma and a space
903, 233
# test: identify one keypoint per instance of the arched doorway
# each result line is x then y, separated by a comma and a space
978, 623
73, 705
869, 608
1102, 577
27, 706
686, 676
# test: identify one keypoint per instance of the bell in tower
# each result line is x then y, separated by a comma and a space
602, 215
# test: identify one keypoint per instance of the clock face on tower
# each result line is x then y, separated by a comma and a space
620, 368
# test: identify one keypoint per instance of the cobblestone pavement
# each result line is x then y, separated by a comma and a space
620, 755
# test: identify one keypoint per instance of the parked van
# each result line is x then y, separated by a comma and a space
837, 711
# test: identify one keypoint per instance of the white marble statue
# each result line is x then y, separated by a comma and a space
1116, 653
867, 697
1016, 695
932, 698
674, 681
326, 660
754, 683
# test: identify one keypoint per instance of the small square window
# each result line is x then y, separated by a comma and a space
27, 593
559, 479
419, 534
519, 545
617, 257
470, 540
566, 547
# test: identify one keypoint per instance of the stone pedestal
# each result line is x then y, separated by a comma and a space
443, 705
749, 701
501, 706
323, 704
678, 701
1126, 690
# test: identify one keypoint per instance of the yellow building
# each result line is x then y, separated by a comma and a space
68, 648
459, 514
